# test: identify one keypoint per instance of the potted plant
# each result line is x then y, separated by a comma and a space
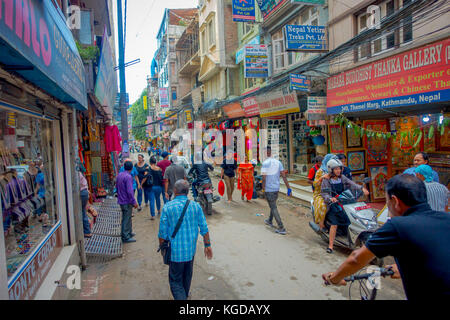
316, 136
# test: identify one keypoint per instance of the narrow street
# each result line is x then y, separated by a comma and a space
250, 260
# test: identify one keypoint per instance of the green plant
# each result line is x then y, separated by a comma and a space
88, 53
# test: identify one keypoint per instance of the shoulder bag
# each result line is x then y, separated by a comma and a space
165, 247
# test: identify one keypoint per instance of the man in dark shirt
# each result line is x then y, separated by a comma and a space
172, 174
345, 170
416, 236
200, 170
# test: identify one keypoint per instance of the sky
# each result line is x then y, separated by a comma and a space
144, 18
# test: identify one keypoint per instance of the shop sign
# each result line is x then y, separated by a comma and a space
414, 77
39, 37
188, 115
144, 102
240, 52
305, 38
164, 97
106, 85
244, 10
309, 2
256, 61
269, 6
277, 103
234, 110
250, 106
299, 82
24, 284
317, 108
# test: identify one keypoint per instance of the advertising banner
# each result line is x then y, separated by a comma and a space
269, 6
250, 106
256, 61
37, 36
164, 97
299, 82
106, 84
414, 77
144, 102
305, 38
277, 103
244, 10
309, 2
188, 115
234, 110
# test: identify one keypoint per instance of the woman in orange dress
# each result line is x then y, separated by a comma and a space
245, 179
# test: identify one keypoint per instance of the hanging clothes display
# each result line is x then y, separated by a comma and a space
112, 139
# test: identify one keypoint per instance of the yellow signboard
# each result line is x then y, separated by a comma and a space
145, 102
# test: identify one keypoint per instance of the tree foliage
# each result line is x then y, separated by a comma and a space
139, 117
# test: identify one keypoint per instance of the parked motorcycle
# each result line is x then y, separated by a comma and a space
206, 196
259, 187
363, 222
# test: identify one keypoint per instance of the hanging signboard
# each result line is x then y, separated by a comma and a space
188, 115
414, 77
317, 108
234, 110
256, 61
240, 52
309, 2
164, 97
144, 100
299, 82
244, 10
277, 103
305, 38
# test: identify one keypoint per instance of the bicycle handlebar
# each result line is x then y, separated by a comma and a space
383, 272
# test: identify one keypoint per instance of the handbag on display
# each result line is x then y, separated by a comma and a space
165, 248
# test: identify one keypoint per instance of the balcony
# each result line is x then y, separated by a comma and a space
188, 50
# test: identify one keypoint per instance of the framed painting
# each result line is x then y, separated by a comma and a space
377, 148
356, 160
379, 176
336, 138
353, 141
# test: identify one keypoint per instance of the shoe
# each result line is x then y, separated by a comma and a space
329, 250
281, 231
129, 240
269, 223
139, 208
133, 234
152, 218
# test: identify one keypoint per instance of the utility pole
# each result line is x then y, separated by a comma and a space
123, 89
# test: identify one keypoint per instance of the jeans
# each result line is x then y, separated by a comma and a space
272, 198
84, 194
127, 227
180, 276
155, 194
146, 193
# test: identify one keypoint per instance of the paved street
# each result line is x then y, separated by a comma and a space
250, 260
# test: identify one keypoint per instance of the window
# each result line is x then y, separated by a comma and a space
407, 31
203, 40
211, 32
246, 28
174, 93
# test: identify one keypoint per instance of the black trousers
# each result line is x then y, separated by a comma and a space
180, 277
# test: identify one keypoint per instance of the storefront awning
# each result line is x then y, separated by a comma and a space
36, 43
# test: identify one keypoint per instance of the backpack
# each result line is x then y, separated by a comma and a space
149, 182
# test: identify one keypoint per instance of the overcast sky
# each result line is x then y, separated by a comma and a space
144, 18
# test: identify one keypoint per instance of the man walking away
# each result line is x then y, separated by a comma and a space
125, 198
183, 246
417, 238
271, 171
173, 173
437, 193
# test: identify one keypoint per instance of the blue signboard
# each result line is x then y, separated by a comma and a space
244, 10
305, 38
240, 52
299, 82
36, 42
256, 61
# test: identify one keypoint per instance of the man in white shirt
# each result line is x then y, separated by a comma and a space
271, 171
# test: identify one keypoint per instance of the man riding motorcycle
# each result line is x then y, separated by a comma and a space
201, 175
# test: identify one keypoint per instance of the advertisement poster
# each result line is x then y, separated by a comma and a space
244, 10
164, 97
414, 77
240, 52
299, 82
306, 38
256, 61
317, 108
269, 6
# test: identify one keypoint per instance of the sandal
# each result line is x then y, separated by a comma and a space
329, 250
88, 235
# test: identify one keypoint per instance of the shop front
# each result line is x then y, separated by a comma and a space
40, 85
391, 109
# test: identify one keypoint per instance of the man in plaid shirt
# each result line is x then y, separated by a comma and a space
184, 245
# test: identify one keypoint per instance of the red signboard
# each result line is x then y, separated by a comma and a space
25, 285
413, 77
234, 110
250, 106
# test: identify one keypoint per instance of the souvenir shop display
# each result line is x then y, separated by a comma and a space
379, 176
278, 123
377, 147
303, 147
356, 160
336, 138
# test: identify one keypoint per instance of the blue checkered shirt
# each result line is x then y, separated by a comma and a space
185, 242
